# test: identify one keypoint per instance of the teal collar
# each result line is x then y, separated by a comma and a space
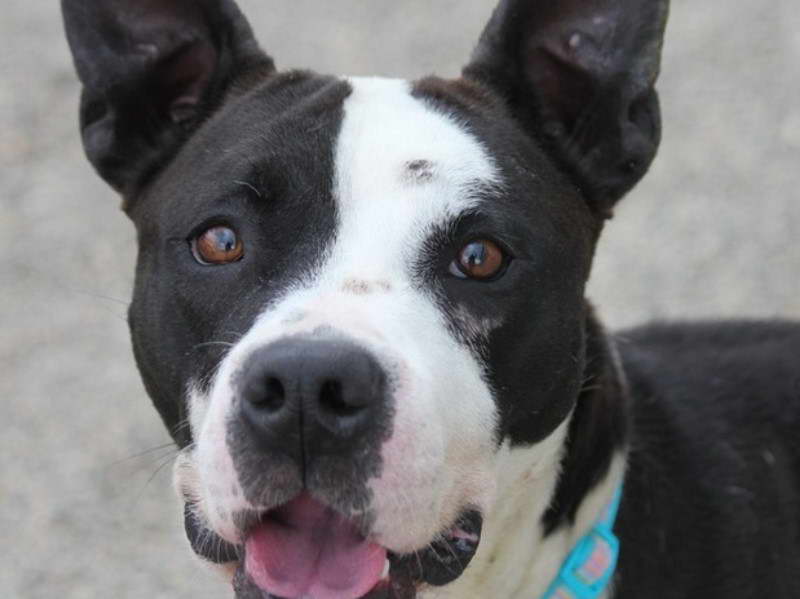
589, 567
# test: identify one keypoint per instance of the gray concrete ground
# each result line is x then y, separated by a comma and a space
86, 508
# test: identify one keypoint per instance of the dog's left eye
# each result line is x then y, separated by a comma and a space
217, 245
480, 259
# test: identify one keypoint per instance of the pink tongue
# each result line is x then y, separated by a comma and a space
309, 550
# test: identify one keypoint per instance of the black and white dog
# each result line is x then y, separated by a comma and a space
359, 309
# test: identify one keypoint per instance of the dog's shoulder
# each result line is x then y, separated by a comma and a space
742, 368
714, 459
730, 388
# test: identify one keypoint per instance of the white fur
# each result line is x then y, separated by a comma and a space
514, 560
441, 455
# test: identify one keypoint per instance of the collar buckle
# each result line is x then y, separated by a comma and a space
590, 565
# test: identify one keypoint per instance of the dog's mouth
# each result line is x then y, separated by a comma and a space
306, 550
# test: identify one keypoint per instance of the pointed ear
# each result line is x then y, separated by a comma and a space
151, 71
580, 74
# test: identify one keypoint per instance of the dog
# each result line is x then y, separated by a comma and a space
359, 309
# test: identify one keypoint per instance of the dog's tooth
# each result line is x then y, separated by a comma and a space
386, 566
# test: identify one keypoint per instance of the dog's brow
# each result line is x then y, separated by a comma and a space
251, 187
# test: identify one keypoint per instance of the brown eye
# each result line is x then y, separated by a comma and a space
217, 245
480, 259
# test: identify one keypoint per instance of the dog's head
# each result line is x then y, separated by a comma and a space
353, 296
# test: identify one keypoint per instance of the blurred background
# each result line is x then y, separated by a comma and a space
86, 507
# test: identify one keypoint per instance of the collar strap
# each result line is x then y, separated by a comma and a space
589, 567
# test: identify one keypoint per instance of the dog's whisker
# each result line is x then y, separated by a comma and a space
419, 560
145, 453
166, 462
251, 187
234, 334
450, 550
182, 425
591, 388
447, 565
109, 298
211, 343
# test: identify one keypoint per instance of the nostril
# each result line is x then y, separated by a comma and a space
332, 399
272, 397
275, 394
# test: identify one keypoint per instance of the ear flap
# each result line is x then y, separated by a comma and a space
581, 75
151, 71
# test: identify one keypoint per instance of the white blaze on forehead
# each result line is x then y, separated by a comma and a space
401, 167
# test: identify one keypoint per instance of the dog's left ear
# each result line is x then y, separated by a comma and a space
152, 70
580, 74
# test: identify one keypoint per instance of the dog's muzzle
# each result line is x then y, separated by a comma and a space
307, 428
305, 549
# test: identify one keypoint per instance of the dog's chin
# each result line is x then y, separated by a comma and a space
305, 550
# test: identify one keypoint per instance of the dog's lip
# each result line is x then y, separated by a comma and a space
441, 562
205, 542
445, 559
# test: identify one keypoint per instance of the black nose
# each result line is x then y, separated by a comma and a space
305, 398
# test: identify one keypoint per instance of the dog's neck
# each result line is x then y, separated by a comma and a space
553, 492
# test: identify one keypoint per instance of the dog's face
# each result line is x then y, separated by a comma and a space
354, 296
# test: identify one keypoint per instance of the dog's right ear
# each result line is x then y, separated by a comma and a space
152, 70
580, 74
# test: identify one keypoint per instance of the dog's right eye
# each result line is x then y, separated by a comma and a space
481, 259
217, 245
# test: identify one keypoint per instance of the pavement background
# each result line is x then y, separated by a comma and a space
86, 508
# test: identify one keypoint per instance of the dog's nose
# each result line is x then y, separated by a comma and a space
305, 398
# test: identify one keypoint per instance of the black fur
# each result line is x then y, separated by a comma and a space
598, 429
581, 75
187, 118
152, 70
712, 494
281, 201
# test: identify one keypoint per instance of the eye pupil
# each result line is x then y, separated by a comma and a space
476, 254
217, 245
480, 259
